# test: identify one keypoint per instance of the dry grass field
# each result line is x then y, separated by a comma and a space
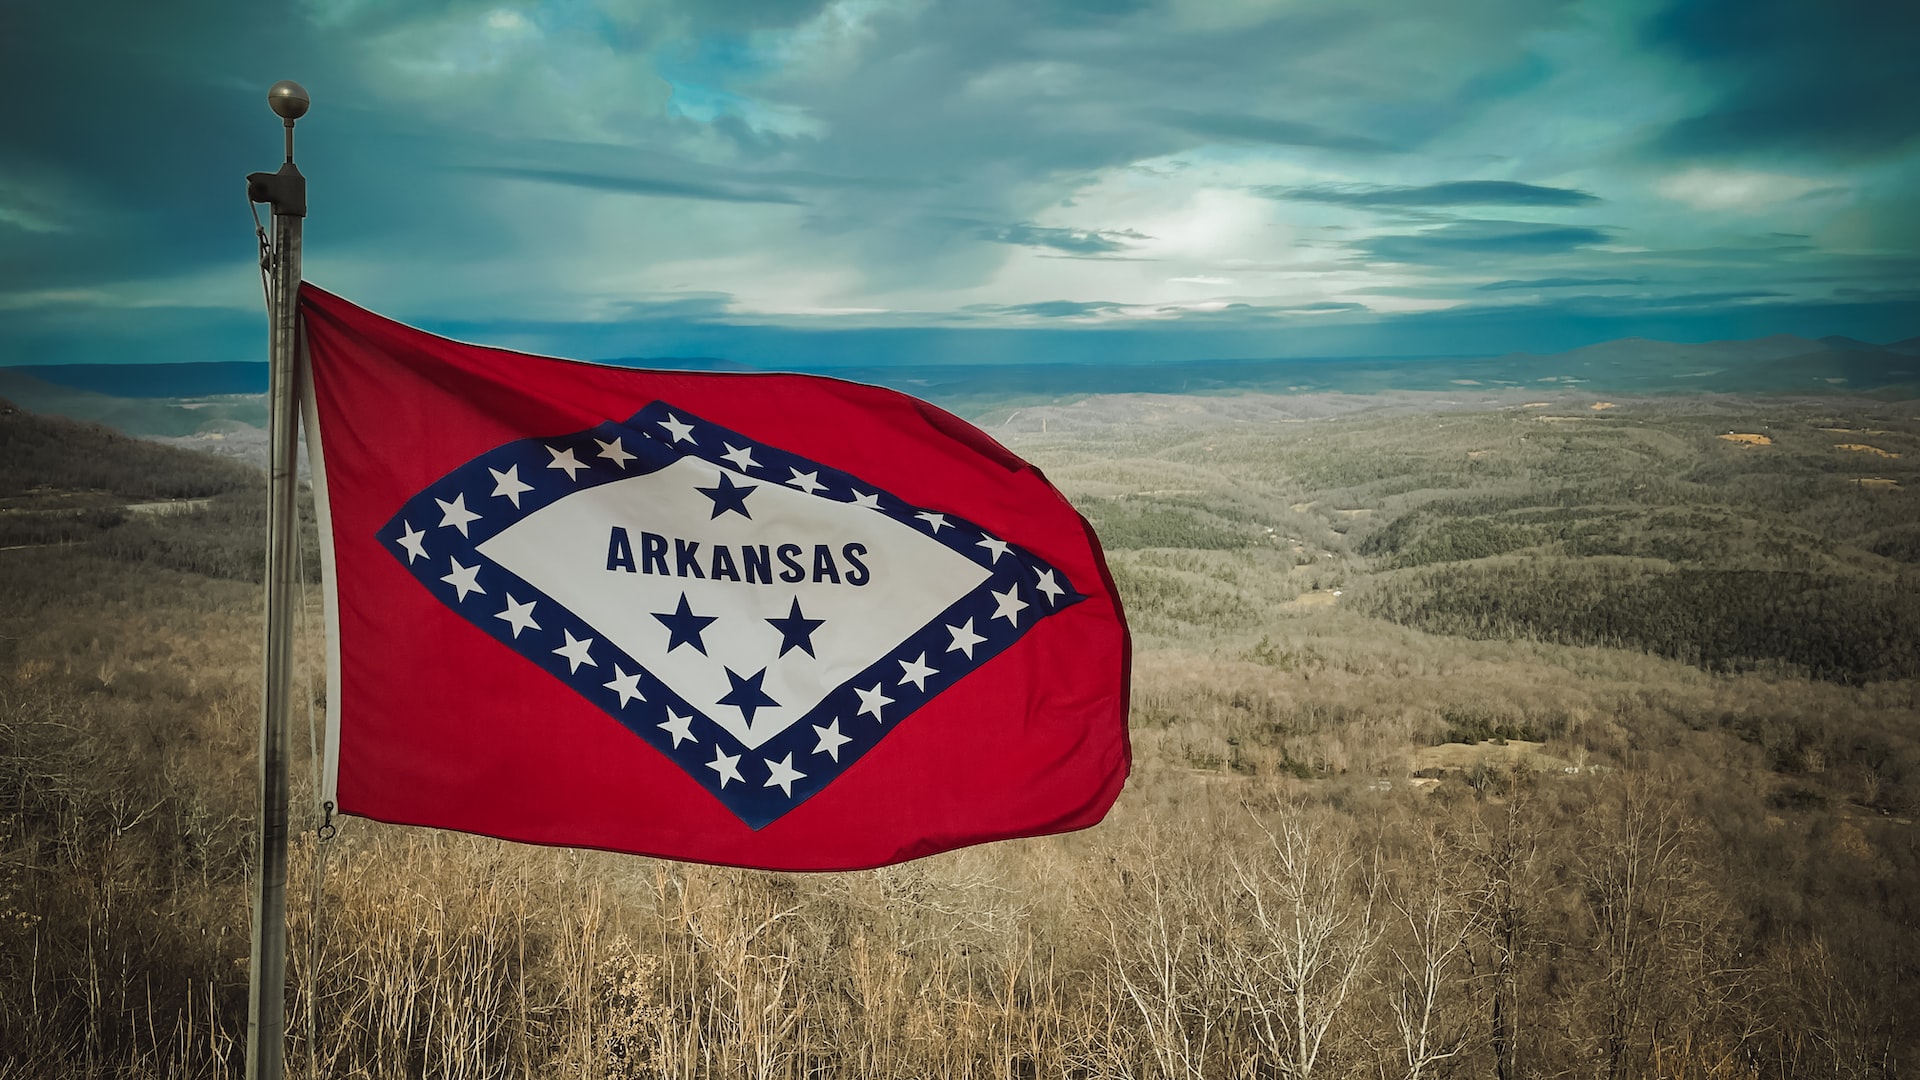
1473, 738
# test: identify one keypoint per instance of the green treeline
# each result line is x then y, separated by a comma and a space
54, 453
1663, 537
63, 483
1165, 523
1829, 627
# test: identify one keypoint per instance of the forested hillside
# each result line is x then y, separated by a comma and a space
1499, 739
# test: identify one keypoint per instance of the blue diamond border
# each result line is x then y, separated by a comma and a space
650, 437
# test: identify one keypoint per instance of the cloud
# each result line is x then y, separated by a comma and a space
702, 306
1071, 241
1834, 78
1240, 127
34, 206
1211, 312
1446, 193
1559, 283
1734, 189
1450, 243
1058, 309
927, 159
635, 185
1322, 307
1710, 299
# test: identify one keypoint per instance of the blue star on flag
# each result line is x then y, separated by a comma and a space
796, 630
727, 495
746, 694
684, 627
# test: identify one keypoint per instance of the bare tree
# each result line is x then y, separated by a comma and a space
1510, 869
1441, 904
1655, 925
1310, 934
1158, 948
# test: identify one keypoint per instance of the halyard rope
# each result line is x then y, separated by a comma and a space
326, 830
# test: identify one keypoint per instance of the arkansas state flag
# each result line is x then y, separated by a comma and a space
763, 620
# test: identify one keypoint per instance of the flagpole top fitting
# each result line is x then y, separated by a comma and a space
289, 100
286, 189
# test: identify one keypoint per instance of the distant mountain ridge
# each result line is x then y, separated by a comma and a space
1781, 362
167, 415
185, 399
154, 380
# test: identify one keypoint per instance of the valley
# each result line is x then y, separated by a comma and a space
1596, 728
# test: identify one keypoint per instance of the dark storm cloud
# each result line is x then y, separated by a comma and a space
1834, 78
1055, 309
753, 14
154, 126
1239, 127
933, 146
91, 118
1071, 241
75, 333
1470, 239
991, 110
999, 108
1447, 193
1559, 283
1710, 299
635, 185
687, 306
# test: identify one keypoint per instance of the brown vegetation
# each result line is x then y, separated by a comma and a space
1725, 884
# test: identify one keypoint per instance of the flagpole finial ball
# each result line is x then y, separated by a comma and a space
289, 99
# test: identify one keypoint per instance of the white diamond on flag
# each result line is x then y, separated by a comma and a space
737, 613
630, 556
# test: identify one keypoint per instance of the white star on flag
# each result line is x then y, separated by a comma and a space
807, 482
867, 500
1048, 586
871, 702
412, 540
916, 672
681, 432
614, 452
680, 727
964, 639
742, 457
938, 521
727, 765
1008, 605
565, 461
783, 774
998, 547
575, 650
456, 514
627, 686
830, 740
508, 485
519, 615
464, 579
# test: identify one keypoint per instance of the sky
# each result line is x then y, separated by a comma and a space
791, 183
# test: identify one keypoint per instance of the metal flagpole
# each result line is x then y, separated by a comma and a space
286, 190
